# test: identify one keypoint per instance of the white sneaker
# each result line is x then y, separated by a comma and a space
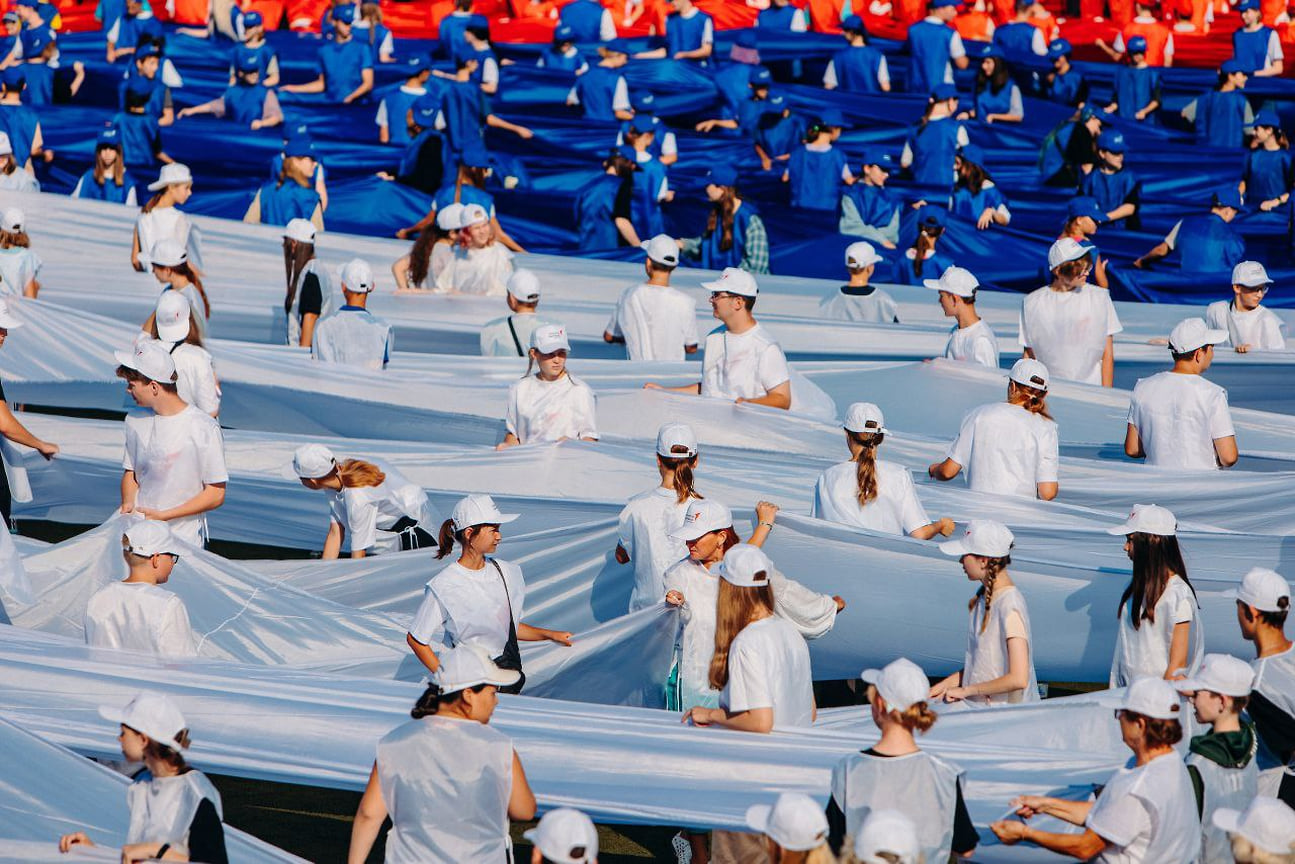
682, 848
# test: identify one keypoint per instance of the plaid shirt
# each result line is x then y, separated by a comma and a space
755, 258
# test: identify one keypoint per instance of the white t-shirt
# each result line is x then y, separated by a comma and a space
18, 266
974, 344
1067, 330
644, 533
195, 379
1275, 681
1259, 328
461, 605
746, 365
875, 307
1006, 450
163, 223
895, 510
1148, 814
477, 271
700, 590
1178, 418
657, 321
987, 655
768, 667
1144, 652
353, 336
540, 410
173, 458
497, 339
138, 616
368, 513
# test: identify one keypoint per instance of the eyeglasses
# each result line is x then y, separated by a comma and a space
174, 556
1252, 289
720, 295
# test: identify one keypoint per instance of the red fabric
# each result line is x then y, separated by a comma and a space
1270, 9
1157, 36
909, 11
973, 25
271, 11
1121, 12
1047, 25
305, 11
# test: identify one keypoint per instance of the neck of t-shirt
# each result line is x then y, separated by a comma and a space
139, 579
745, 324
169, 405
966, 317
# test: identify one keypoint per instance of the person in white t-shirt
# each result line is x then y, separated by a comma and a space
793, 828
351, 334
174, 466
1146, 813
161, 219
176, 328
1177, 419
138, 614
1263, 831
1249, 325
481, 263
1160, 628
742, 362
510, 336
171, 268
1009, 448
1070, 324
972, 341
857, 300
11, 428
550, 405
870, 493
19, 263
999, 664
654, 320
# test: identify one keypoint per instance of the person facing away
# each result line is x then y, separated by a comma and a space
510, 336
857, 300
654, 320
353, 335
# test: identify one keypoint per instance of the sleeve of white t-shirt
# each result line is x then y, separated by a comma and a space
748, 679
912, 513
1118, 820
963, 138
1274, 338
773, 368
428, 625
490, 72
883, 73
798, 22
211, 450
361, 518
380, 119
388, 45
206, 396
625, 531
1171, 239
1169, 47
1220, 416
669, 145
1216, 315
586, 408
175, 635
1118, 44
1049, 459
1274, 47
1113, 324
614, 323
510, 414
690, 326
829, 75
1038, 44
960, 449
606, 27
128, 454
956, 48
708, 32
621, 98
1183, 603
984, 352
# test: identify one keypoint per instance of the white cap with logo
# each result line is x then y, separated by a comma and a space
734, 281
860, 254
662, 249
982, 537
168, 252
1266, 822
864, 417
1150, 697
548, 338
902, 683
468, 665
1250, 274
955, 281
149, 359
702, 517
524, 285
1220, 673
565, 836
745, 566
301, 230
1194, 333
887, 837
473, 214
478, 509
676, 441
1066, 249
149, 537
450, 217
172, 174
1263, 589
1029, 372
1147, 519
8, 320
151, 714
12, 220
795, 822
312, 461
357, 276
172, 316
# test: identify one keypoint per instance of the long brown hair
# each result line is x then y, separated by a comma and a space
420, 257
355, 473
737, 607
470, 175
926, 237
1032, 399
866, 463
971, 175
14, 239
118, 167
296, 255
162, 753
722, 214
994, 566
372, 13
681, 469
447, 537
187, 271
1155, 559
285, 175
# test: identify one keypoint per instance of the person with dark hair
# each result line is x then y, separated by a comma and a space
858, 299
351, 334
998, 99
395, 105
135, 26
601, 92
345, 64
1159, 632
552, 404
170, 265
309, 283
1146, 813
604, 206
588, 21
480, 262
975, 197
689, 35
817, 171
1222, 115
972, 340
1249, 324
141, 135
1137, 85
1065, 84
931, 148
860, 68
1116, 189
146, 71
254, 44
562, 55
652, 319
292, 194
1268, 174
108, 180
1205, 242
934, 47
369, 30
19, 263
447, 760
868, 208
921, 260
247, 101
564, 836
1070, 324
735, 235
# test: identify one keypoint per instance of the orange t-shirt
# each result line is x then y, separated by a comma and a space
974, 25
1157, 36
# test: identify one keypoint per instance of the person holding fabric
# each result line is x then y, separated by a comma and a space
416, 273
1083, 215
735, 235
1070, 151
370, 30
921, 260
689, 35
860, 68
108, 180
11, 428
145, 71
931, 150
447, 760
1178, 419
1157, 41
817, 172
1116, 189
601, 91
782, 15
604, 206
254, 44
1206, 242
135, 26
351, 334
174, 325
1137, 85
857, 300
998, 99
1070, 324
1018, 38
467, 187
449, 40
868, 209
141, 136
20, 123
1065, 84
345, 64
551, 405
1160, 629
896, 774
308, 283
478, 600
652, 319
1249, 325
1146, 811
562, 54
934, 47
510, 336
19, 265
292, 194
972, 340
175, 810
651, 181
247, 101
481, 264
1268, 173
999, 664
1222, 115
1255, 45
170, 264
298, 135
1008, 448
138, 614
794, 829
867, 492
161, 219
975, 197
394, 107
426, 158
777, 132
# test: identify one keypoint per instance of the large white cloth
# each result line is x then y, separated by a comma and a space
162, 808
1143, 651
1007, 450
477, 271
987, 657
353, 336
656, 321
461, 605
1260, 328
920, 785
368, 513
974, 344
173, 459
18, 266
746, 365
168, 223
643, 530
768, 667
895, 510
1148, 813
138, 616
1178, 418
540, 410
1067, 330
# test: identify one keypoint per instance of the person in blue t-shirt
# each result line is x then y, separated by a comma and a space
10, 39
745, 114
1018, 38
817, 171
689, 35
1116, 189
998, 99
141, 139
108, 180
735, 235
1137, 85
1268, 173
859, 68
291, 195
247, 103
147, 66
255, 44
588, 21
130, 29
782, 15
370, 31
975, 196
393, 110
345, 65
930, 150
601, 91
1205, 242
868, 208
1256, 46
562, 55
934, 47
1222, 115
477, 49
1064, 84
449, 39
424, 160
651, 179
19, 121
778, 132
39, 65
604, 206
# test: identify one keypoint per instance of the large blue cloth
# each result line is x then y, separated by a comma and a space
19, 122
713, 255
934, 147
734, 84
283, 202
467, 194
596, 90
585, 18
1206, 243
685, 34
1221, 118
342, 65
858, 69
815, 178
593, 214
40, 84
928, 47
1267, 175
244, 103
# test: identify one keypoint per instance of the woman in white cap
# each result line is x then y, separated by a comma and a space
972, 340
175, 810
1146, 813
1008, 448
895, 774
18, 263
12, 429
510, 335
886, 837
1250, 325
550, 405
351, 334
176, 327
481, 264
432, 251
308, 283
477, 599
564, 836
377, 508
1070, 324
448, 781
160, 218
170, 265
649, 518
999, 664
867, 492
1262, 833
794, 829
13, 177
1159, 633
857, 300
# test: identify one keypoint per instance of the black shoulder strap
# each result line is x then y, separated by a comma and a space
504, 581
517, 343
1198, 787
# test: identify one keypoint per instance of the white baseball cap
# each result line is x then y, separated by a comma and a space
8, 320
860, 254
471, 214
887, 832
864, 417
565, 836
795, 821
12, 220
312, 461
149, 359
168, 253
467, 665
701, 518
450, 217
6, 148
1262, 589
1220, 673
1193, 333
1147, 519
357, 276
675, 435
548, 338
745, 566
172, 316
955, 281
1066, 249
982, 537
301, 230
1251, 274
1266, 822
524, 285
151, 714
902, 683
1029, 373
1149, 696
662, 249
149, 537
172, 174
734, 281
478, 509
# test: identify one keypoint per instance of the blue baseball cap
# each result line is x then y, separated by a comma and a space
1232, 66
564, 33
941, 92
252, 19
344, 14
299, 146
854, 24
247, 61
992, 50
760, 77
832, 117
300, 130
722, 175
109, 137
746, 39
15, 76
643, 122
625, 152
1059, 48
425, 108
1247, 5
148, 49
939, 4
643, 100
1268, 117
1111, 141
417, 64
973, 154
1085, 206
618, 46
1137, 45
880, 158
1227, 196
930, 216
774, 103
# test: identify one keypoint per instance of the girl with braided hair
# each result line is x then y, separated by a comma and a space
999, 664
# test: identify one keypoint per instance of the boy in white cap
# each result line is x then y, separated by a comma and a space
1249, 325
1177, 419
138, 614
654, 320
352, 334
1263, 602
972, 341
174, 467
1265, 826
10, 427
510, 336
742, 362
564, 836
857, 300
1221, 761
1070, 324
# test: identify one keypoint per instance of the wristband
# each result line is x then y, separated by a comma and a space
770, 524
162, 850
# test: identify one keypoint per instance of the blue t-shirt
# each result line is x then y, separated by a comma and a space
342, 64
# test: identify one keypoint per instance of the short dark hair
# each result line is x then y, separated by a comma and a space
750, 303
132, 375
